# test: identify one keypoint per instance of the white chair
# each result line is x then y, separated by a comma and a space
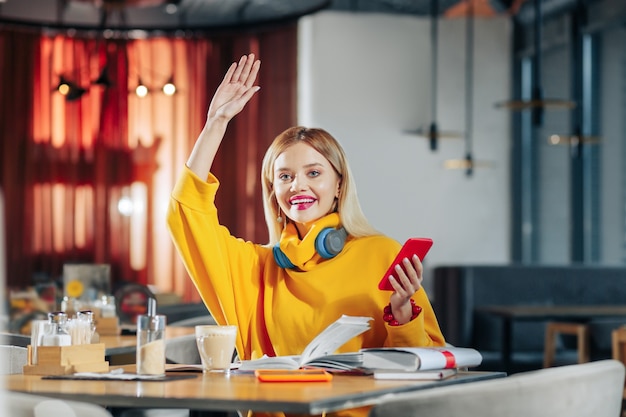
182, 349
193, 321
17, 404
592, 389
12, 359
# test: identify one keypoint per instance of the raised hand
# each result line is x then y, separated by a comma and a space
236, 89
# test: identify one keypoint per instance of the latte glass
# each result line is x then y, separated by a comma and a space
216, 345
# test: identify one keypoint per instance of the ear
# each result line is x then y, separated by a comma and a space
338, 191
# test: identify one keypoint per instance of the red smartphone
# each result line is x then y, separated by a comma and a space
414, 246
295, 375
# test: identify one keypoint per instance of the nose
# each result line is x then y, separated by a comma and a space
298, 183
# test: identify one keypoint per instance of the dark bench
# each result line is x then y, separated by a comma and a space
460, 290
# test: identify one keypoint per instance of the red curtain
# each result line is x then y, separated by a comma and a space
89, 179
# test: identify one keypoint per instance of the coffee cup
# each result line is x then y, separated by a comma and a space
216, 345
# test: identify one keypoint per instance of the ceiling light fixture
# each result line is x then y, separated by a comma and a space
103, 79
142, 89
537, 103
169, 88
573, 140
432, 133
69, 89
72, 91
468, 163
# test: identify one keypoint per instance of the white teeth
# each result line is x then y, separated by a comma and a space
302, 201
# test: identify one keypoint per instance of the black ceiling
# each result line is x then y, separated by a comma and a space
172, 15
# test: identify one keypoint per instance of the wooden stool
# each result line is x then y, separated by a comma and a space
553, 329
618, 337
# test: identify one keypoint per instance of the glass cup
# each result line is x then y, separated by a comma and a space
38, 329
216, 345
150, 344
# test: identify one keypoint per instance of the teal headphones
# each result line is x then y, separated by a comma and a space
328, 243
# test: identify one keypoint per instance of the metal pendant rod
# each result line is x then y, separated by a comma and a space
434, 33
537, 93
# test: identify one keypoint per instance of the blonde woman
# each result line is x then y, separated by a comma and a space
323, 259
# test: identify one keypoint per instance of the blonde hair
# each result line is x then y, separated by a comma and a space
348, 207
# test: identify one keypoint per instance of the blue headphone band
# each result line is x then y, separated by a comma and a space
328, 243
281, 259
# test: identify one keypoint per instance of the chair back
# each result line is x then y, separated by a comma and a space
182, 350
205, 319
592, 389
14, 339
618, 338
12, 359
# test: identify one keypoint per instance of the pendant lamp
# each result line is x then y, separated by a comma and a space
468, 163
582, 92
432, 133
537, 103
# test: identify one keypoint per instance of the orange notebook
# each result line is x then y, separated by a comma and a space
293, 375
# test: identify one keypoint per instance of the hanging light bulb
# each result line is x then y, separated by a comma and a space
64, 86
171, 6
169, 88
141, 89
70, 90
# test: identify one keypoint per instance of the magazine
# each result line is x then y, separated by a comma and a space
321, 351
420, 358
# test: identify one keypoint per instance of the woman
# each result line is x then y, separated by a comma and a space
282, 294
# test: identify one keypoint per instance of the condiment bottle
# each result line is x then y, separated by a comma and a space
151, 342
58, 335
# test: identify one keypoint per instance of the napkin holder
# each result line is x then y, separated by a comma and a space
108, 326
65, 360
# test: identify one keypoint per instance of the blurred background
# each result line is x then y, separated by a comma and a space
495, 127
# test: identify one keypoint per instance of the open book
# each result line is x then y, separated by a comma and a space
321, 351
420, 358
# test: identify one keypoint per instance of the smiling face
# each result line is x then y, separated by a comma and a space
305, 184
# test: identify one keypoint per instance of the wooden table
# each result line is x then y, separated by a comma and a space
216, 392
512, 313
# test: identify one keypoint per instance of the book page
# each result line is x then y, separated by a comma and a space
342, 361
324, 344
335, 336
271, 362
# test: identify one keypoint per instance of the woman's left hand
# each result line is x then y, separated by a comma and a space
406, 281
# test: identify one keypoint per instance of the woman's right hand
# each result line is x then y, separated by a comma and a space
236, 89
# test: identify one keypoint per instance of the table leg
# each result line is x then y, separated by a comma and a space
507, 335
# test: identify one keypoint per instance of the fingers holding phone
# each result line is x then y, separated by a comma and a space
407, 278
405, 261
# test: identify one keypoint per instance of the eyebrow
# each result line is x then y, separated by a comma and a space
314, 164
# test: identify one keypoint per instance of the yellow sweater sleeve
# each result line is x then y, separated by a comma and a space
222, 267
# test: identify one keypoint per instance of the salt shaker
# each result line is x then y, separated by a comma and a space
58, 335
86, 327
108, 306
151, 342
